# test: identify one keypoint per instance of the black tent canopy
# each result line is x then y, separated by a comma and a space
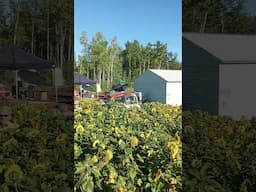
82, 80
14, 58
32, 77
119, 87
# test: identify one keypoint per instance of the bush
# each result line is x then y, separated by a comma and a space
119, 150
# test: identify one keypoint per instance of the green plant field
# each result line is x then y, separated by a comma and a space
37, 154
218, 153
119, 150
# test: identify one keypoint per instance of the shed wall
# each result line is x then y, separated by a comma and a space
237, 91
174, 93
200, 72
152, 87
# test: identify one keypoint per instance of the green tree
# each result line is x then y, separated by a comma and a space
99, 56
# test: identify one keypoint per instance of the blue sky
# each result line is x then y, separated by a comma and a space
128, 20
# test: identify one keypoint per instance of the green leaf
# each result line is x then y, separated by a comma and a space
140, 158
2, 167
4, 187
139, 182
147, 185
96, 172
89, 186
132, 173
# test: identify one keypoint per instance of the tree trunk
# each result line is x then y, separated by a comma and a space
32, 37
130, 68
94, 71
57, 45
16, 22
62, 41
88, 70
51, 52
61, 55
48, 35
148, 63
160, 65
69, 44
42, 50
109, 74
222, 24
193, 18
103, 78
204, 22
99, 76
57, 54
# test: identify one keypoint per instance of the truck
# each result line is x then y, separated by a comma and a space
129, 99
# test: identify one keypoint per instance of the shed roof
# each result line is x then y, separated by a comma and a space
168, 75
228, 48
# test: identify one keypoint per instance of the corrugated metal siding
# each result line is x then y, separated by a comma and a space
152, 87
200, 73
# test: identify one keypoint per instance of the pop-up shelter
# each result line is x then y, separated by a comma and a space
82, 80
32, 77
15, 59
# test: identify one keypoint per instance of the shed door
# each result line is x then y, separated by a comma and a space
237, 92
174, 93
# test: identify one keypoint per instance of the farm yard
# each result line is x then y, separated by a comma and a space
132, 124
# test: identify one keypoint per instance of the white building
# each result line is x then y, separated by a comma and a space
163, 86
219, 73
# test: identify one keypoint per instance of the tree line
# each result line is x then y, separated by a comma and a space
217, 16
107, 62
42, 27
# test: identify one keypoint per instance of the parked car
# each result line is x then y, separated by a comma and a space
127, 98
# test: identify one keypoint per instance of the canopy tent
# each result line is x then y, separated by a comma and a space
120, 87
82, 80
14, 58
87, 87
32, 77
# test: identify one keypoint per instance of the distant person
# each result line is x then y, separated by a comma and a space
31, 92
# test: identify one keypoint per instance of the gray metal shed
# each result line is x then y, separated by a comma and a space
219, 73
163, 86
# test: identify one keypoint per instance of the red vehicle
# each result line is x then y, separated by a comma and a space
128, 98
104, 96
